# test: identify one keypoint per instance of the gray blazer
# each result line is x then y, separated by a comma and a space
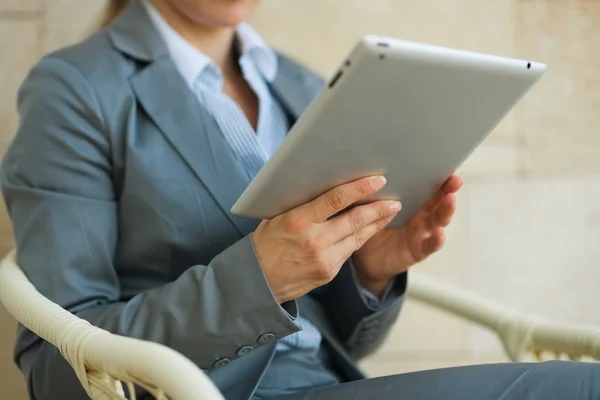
119, 187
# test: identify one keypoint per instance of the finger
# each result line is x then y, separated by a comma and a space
354, 220
442, 215
434, 242
342, 197
352, 243
452, 185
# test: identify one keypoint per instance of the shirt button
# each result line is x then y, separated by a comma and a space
242, 351
221, 363
266, 338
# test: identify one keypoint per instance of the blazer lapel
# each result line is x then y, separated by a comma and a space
294, 87
188, 127
174, 108
194, 134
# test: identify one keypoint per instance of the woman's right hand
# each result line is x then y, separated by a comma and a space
305, 247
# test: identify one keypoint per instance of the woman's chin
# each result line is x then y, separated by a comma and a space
227, 13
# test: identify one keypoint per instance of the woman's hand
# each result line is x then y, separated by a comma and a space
306, 247
393, 251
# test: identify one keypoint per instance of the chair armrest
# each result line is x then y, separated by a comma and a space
102, 360
519, 332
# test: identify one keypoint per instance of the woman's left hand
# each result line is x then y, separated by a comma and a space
394, 251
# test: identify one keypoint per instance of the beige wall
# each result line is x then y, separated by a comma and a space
529, 218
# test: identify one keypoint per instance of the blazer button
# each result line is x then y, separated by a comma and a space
221, 363
366, 337
205, 371
266, 338
373, 325
242, 351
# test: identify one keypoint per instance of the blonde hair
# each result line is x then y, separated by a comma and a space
113, 9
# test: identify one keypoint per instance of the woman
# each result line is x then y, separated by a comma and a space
132, 147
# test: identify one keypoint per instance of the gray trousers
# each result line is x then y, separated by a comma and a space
527, 381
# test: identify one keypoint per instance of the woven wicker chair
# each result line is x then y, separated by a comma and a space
106, 363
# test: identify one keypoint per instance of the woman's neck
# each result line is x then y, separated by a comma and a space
215, 42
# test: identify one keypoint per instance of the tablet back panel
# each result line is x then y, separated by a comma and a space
409, 111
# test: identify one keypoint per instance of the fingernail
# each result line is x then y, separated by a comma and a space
378, 182
395, 206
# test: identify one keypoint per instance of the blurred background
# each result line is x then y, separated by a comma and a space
528, 228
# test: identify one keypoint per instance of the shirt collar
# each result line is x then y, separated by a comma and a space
254, 46
191, 62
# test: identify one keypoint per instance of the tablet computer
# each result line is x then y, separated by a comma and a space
409, 111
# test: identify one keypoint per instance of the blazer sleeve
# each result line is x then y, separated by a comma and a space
57, 184
360, 325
